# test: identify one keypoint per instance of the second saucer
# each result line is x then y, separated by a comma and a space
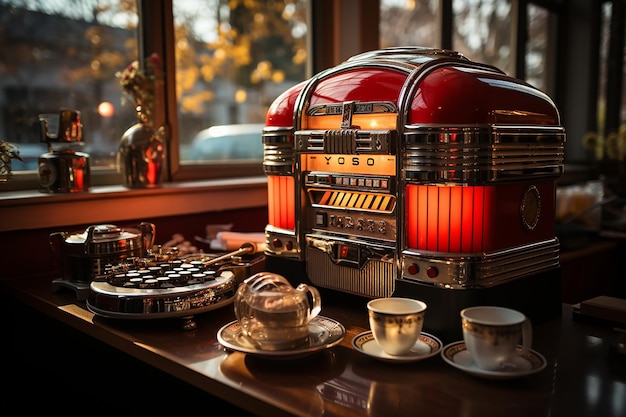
426, 346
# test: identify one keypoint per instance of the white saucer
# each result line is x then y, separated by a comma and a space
521, 365
426, 346
324, 333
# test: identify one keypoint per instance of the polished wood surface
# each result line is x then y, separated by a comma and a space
585, 375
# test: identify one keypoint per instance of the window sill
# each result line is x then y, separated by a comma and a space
24, 210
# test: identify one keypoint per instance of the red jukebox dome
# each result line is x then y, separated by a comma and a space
416, 172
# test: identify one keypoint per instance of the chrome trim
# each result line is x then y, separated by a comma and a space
364, 224
372, 275
287, 237
346, 141
118, 302
481, 270
481, 154
278, 151
360, 107
530, 208
408, 53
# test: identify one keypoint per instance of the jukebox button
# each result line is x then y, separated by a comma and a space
432, 271
289, 245
413, 269
277, 243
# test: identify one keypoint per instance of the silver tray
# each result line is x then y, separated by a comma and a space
112, 301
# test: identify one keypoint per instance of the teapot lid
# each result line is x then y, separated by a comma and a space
101, 233
267, 281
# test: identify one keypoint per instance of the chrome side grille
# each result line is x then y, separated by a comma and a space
483, 154
345, 141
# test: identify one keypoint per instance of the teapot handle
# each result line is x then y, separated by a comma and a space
316, 305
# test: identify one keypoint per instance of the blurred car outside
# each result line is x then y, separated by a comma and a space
227, 142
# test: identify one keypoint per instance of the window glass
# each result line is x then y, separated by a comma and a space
232, 60
409, 22
538, 47
65, 54
482, 31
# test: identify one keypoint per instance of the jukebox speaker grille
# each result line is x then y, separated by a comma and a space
324, 272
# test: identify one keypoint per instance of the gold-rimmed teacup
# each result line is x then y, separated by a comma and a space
493, 335
396, 323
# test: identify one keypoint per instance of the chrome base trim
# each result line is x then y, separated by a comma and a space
480, 270
288, 246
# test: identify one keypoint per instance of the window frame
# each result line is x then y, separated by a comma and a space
156, 34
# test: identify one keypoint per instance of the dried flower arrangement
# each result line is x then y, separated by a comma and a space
140, 83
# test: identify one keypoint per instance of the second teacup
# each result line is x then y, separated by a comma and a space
396, 323
492, 334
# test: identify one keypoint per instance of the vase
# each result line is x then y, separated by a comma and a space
141, 156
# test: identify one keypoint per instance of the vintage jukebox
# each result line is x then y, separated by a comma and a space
417, 172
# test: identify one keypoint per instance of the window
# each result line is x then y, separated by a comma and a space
64, 54
231, 63
482, 30
231, 60
409, 23
540, 48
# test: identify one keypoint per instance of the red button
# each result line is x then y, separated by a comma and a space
432, 272
277, 243
289, 245
413, 269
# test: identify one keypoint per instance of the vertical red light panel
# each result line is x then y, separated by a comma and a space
411, 216
444, 219
456, 218
281, 201
448, 219
467, 219
422, 217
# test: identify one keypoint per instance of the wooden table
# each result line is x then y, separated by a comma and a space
585, 375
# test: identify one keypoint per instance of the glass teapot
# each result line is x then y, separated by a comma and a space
273, 314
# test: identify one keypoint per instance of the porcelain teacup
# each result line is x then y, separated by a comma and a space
396, 323
492, 335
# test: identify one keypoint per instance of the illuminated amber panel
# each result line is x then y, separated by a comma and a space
352, 199
350, 164
281, 201
379, 121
